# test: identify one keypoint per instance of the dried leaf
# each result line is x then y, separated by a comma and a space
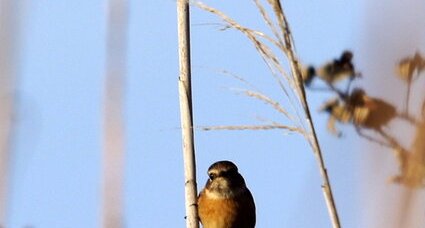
338, 110
409, 66
337, 113
360, 115
329, 105
417, 169
338, 69
342, 113
331, 126
360, 110
369, 112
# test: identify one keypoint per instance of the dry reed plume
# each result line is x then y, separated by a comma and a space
276, 50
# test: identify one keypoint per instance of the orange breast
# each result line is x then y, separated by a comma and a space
217, 213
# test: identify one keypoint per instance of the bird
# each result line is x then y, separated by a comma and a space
225, 201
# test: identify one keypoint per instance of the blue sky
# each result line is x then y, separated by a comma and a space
57, 151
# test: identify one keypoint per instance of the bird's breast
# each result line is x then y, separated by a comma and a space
217, 213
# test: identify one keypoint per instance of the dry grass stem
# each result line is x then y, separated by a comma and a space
262, 97
253, 127
292, 84
271, 25
266, 52
250, 33
233, 75
296, 72
269, 57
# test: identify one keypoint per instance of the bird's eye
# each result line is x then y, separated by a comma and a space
212, 175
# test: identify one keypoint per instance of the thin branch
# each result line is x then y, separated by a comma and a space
391, 140
409, 86
230, 74
373, 139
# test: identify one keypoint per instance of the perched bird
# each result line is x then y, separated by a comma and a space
226, 202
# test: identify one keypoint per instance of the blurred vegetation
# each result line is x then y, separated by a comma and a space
371, 116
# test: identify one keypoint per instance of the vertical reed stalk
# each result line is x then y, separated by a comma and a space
185, 96
8, 24
113, 138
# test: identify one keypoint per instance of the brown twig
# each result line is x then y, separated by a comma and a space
373, 139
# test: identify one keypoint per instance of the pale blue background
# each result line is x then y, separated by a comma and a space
56, 162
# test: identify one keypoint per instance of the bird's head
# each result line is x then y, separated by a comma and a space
224, 180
